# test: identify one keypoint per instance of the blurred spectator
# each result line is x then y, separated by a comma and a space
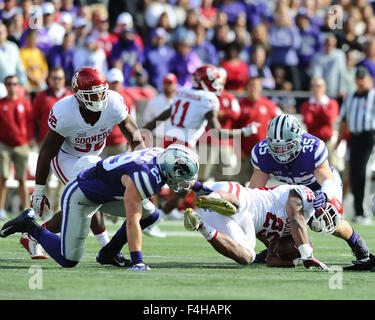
255, 110
42, 106
85, 13
10, 58
15, 27
9, 10
242, 36
158, 57
106, 40
125, 22
158, 105
54, 30
63, 55
26, 6
259, 35
285, 40
223, 36
203, 48
69, 7
90, 55
16, 133
135, 8
207, 14
351, 39
237, 70
116, 142
320, 114
34, 62
126, 55
369, 59
81, 30
330, 65
66, 20
185, 61
258, 66
287, 103
153, 11
219, 160
349, 74
310, 45
256, 12
232, 8
164, 23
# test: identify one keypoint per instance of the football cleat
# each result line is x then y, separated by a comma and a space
192, 220
17, 224
261, 257
139, 267
154, 231
362, 265
118, 260
32, 246
221, 206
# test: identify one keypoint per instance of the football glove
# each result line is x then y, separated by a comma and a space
251, 129
39, 201
312, 262
139, 267
319, 200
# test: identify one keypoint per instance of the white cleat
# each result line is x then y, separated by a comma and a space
192, 220
175, 214
32, 246
154, 231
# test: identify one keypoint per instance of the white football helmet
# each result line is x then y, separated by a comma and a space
327, 220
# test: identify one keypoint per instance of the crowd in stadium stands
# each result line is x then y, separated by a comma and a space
289, 45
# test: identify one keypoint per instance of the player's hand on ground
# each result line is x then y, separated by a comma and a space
312, 262
139, 267
40, 203
319, 200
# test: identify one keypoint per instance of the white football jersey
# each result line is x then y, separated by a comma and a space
81, 138
189, 107
267, 207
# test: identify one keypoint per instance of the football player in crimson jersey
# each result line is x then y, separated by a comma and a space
296, 157
79, 125
268, 214
191, 110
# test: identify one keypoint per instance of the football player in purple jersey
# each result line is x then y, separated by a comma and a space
130, 177
296, 157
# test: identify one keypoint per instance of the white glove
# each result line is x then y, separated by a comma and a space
39, 201
251, 129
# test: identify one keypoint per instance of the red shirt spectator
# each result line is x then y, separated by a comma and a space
319, 118
116, 137
16, 122
261, 111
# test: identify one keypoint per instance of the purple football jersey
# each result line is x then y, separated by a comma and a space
102, 183
299, 171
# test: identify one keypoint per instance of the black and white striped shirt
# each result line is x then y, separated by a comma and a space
358, 111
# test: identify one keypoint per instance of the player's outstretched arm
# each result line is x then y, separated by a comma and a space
131, 132
133, 208
258, 179
162, 117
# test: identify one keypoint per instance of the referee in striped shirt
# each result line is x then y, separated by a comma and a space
358, 117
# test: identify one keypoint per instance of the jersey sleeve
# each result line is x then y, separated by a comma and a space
257, 159
211, 102
147, 180
307, 196
57, 121
120, 110
320, 154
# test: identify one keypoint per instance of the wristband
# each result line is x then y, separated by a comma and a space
39, 188
305, 251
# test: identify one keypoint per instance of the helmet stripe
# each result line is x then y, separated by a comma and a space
282, 126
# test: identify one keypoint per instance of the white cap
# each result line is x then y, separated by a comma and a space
125, 18
115, 75
80, 22
48, 8
66, 17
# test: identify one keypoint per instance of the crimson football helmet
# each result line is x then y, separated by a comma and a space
208, 78
328, 218
90, 87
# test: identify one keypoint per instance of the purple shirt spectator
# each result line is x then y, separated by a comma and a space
257, 12
129, 54
370, 65
285, 41
232, 9
207, 53
310, 45
58, 57
45, 42
183, 67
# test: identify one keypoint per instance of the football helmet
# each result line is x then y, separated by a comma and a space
179, 167
90, 88
327, 219
208, 78
284, 138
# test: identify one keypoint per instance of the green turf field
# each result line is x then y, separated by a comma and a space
184, 266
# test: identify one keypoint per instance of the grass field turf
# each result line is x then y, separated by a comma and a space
184, 266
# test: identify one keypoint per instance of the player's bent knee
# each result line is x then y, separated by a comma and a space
69, 263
